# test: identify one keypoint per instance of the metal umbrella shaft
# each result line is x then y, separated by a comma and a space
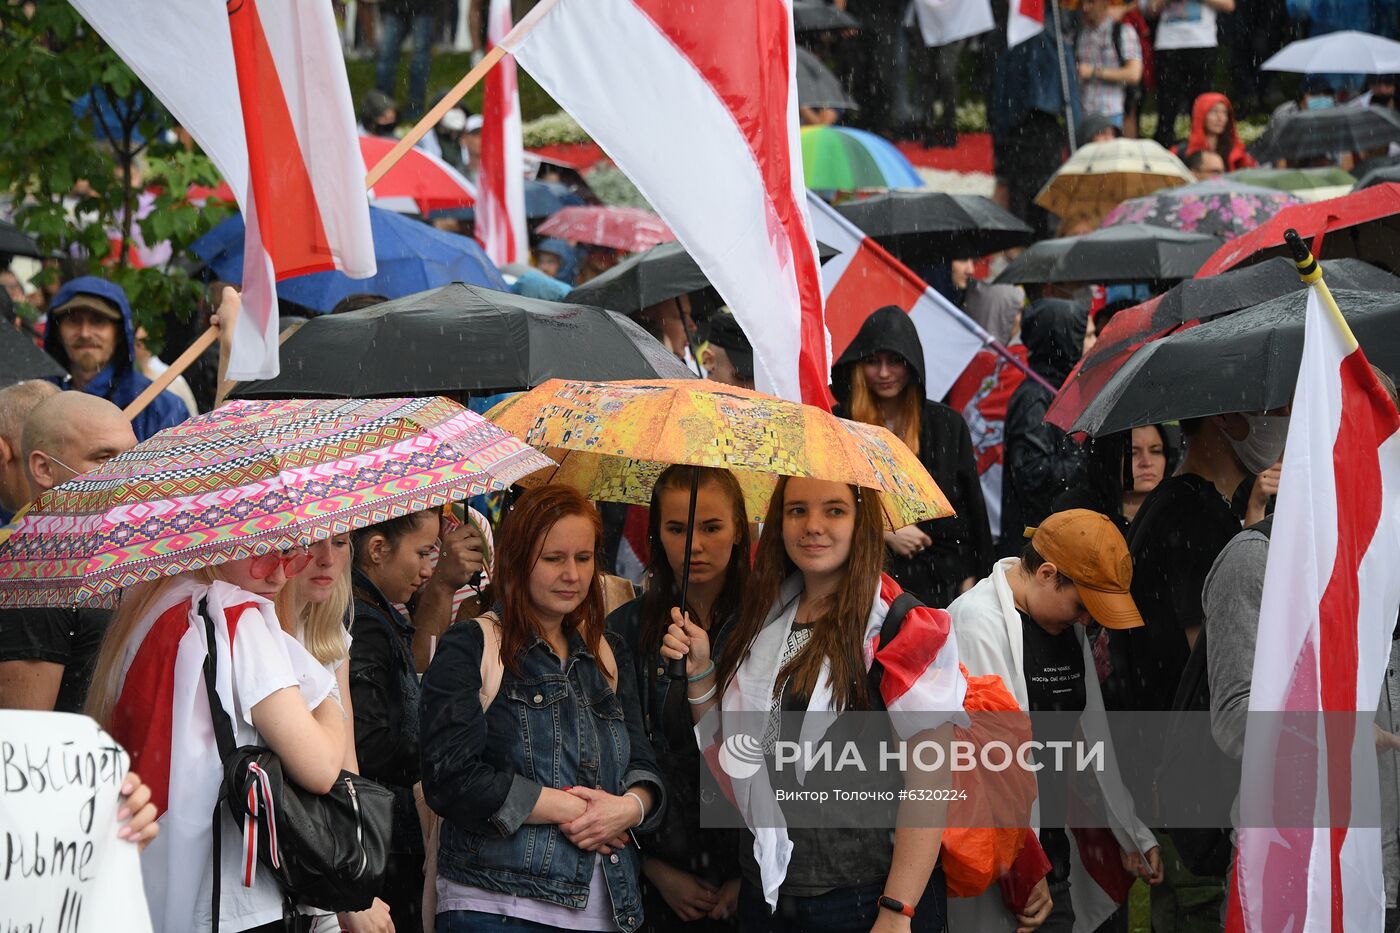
676, 669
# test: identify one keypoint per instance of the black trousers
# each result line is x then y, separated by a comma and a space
1182, 76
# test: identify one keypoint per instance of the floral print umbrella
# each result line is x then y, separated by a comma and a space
1217, 208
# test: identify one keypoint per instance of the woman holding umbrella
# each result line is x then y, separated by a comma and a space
534, 752
879, 380
692, 881
815, 604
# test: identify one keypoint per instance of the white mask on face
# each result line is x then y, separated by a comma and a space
1263, 445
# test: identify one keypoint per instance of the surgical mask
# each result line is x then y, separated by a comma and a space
1263, 445
1320, 103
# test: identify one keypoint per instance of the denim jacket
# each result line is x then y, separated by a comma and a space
547, 727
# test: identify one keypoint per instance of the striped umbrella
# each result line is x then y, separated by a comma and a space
246, 479
839, 158
1100, 176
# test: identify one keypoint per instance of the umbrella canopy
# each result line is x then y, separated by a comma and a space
921, 227
20, 359
1100, 176
1309, 134
1215, 207
1186, 305
1127, 253
246, 479
815, 16
460, 338
542, 199
614, 439
629, 229
817, 87
840, 158
1378, 176
1344, 52
411, 256
1247, 361
1302, 182
15, 243
418, 183
1364, 225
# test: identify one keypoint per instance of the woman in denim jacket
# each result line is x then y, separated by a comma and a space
538, 792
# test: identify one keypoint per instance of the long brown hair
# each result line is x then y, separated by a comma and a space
518, 547
911, 406
664, 590
839, 627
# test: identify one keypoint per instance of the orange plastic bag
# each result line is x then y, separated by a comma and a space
988, 828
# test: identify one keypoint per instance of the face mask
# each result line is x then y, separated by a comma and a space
1320, 103
1381, 100
1263, 445
384, 129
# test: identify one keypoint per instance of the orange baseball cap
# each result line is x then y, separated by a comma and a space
1089, 549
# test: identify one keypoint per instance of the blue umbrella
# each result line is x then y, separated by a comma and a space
412, 257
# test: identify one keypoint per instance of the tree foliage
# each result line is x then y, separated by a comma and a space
85, 141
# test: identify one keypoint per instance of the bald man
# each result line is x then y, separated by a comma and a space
16, 404
46, 655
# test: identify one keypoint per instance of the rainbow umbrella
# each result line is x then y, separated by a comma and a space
246, 479
839, 158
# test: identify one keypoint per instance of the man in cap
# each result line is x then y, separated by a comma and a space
1026, 624
47, 654
729, 356
91, 335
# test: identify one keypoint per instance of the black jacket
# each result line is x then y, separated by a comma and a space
1041, 461
962, 544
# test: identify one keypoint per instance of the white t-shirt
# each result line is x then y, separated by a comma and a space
261, 660
1185, 24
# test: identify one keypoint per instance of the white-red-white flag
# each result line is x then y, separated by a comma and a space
261, 86
500, 206
1328, 610
698, 106
865, 277
1026, 19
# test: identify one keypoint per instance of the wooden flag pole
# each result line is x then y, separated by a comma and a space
430, 119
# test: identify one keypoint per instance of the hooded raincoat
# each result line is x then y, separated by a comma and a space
1236, 157
1041, 461
962, 544
120, 382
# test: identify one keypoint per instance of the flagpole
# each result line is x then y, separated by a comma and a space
1064, 75
1310, 271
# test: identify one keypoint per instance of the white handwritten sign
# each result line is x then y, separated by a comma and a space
62, 867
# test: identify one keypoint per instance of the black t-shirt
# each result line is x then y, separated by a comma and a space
1053, 666
70, 637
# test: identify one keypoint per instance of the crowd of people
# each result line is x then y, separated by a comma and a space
504, 671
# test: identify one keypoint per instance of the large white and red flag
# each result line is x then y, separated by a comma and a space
261, 86
500, 206
1328, 610
865, 277
1026, 20
697, 104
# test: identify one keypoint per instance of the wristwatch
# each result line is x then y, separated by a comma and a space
898, 907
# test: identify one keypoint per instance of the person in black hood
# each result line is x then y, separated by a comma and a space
1041, 461
880, 380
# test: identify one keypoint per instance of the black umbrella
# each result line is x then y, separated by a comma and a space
921, 227
1308, 134
461, 338
15, 243
1378, 176
1126, 253
817, 86
20, 359
813, 16
650, 277
1234, 289
1247, 361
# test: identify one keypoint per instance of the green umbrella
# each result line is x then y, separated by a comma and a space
1291, 179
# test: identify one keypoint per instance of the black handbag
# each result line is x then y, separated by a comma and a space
329, 851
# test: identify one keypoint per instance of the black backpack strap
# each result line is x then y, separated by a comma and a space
223, 736
894, 620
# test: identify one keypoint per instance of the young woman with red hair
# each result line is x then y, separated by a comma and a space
540, 782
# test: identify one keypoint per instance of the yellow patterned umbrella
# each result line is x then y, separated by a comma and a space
612, 439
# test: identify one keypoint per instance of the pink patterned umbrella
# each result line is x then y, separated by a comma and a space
249, 478
1225, 209
629, 229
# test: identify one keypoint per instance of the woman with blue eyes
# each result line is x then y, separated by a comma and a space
804, 643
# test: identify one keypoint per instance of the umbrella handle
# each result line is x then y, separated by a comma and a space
676, 669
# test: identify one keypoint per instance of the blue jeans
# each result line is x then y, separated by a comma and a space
392, 28
843, 910
474, 921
